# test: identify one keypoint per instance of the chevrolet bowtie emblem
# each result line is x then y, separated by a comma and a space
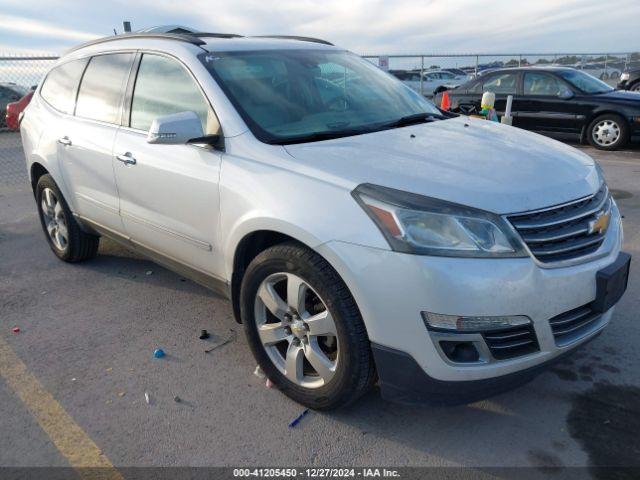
600, 224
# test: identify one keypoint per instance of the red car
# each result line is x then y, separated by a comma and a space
14, 109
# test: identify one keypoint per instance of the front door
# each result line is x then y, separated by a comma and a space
545, 105
169, 200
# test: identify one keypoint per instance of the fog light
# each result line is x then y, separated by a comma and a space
460, 352
472, 324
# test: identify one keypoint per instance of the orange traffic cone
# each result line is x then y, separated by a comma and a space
445, 104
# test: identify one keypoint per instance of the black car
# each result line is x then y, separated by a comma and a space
9, 92
556, 100
630, 80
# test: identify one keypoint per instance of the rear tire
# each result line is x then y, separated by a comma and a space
65, 237
608, 132
635, 87
347, 350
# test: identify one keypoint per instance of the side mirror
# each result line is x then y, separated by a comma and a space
565, 94
175, 129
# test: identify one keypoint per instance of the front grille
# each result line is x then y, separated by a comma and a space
571, 326
512, 342
564, 232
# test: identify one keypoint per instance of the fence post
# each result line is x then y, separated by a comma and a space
477, 60
421, 73
606, 57
519, 60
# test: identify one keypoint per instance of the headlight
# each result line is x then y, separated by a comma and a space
624, 76
416, 224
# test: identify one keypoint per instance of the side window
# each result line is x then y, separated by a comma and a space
542, 84
59, 88
102, 87
501, 83
164, 87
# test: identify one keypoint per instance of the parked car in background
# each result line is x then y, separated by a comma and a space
9, 92
460, 74
14, 109
557, 100
432, 81
630, 80
600, 70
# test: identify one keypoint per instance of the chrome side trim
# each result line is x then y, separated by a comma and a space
162, 229
216, 284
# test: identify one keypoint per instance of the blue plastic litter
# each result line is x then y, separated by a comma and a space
296, 420
158, 353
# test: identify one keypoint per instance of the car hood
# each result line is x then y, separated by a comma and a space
621, 95
464, 160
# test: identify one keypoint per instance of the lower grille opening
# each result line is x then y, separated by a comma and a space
570, 326
512, 342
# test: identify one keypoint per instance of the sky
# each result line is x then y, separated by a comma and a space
365, 27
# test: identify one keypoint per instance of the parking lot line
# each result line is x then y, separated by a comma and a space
68, 437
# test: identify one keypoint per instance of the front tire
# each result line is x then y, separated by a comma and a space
304, 328
608, 132
65, 237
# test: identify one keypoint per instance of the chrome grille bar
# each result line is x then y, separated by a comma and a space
565, 231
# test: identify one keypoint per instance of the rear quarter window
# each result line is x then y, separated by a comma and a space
59, 88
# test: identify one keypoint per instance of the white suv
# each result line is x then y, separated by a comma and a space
359, 232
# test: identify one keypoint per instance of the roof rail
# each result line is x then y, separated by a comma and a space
214, 35
182, 37
295, 37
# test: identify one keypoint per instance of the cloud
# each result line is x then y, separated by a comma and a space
364, 26
40, 28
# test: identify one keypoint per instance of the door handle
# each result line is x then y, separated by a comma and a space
64, 141
126, 158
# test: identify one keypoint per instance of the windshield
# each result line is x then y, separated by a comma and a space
584, 81
290, 96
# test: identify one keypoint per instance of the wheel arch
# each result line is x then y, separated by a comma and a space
246, 249
598, 113
605, 111
634, 83
36, 171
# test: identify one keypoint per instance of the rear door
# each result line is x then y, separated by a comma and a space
546, 104
502, 84
169, 198
89, 137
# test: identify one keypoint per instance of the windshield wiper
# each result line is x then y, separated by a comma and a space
326, 135
415, 118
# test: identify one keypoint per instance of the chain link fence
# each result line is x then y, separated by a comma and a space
18, 74
605, 66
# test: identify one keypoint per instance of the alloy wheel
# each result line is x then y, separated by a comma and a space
54, 220
606, 132
297, 330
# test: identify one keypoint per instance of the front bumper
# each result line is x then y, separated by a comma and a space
403, 381
391, 289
